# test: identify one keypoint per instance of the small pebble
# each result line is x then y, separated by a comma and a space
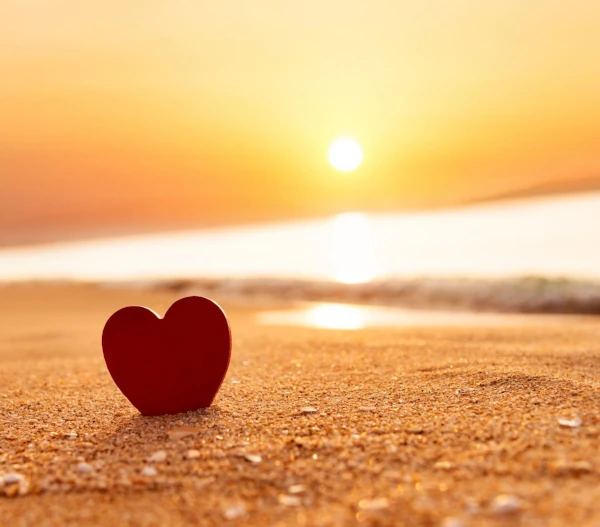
576, 422
84, 468
296, 489
308, 410
236, 511
415, 430
253, 458
12, 478
566, 468
158, 457
505, 504
178, 433
192, 454
444, 465
289, 501
149, 471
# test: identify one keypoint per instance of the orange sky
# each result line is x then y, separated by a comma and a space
170, 113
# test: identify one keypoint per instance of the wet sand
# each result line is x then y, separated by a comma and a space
391, 426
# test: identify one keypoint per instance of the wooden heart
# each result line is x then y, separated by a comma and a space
170, 365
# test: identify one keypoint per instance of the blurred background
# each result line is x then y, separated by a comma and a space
479, 125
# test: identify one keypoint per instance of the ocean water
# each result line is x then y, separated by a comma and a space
354, 317
544, 237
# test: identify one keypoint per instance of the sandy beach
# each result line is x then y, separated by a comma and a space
395, 426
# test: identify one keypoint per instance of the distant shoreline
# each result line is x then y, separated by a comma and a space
535, 295
540, 190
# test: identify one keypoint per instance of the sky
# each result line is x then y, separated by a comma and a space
157, 114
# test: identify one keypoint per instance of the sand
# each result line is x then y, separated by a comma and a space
436, 427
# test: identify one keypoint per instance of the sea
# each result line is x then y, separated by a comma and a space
539, 244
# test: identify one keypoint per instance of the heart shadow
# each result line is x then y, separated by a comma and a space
137, 429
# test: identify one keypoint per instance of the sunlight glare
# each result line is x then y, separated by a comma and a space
335, 316
345, 154
353, 249
353, 317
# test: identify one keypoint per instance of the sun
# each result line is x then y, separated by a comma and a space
345, 154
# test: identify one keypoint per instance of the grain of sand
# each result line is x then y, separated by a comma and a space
436, 427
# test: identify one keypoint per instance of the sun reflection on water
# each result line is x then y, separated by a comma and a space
353, 249
322, 316
355, 317
335, 316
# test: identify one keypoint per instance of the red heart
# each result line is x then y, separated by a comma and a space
170, 365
